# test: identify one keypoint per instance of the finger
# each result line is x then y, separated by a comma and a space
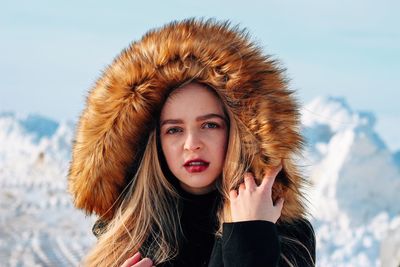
146, 262
270, 175
233, 194
132, 260
249, 182
242, 187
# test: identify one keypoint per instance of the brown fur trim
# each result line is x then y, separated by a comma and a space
124, 102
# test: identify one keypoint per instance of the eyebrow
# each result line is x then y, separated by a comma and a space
200, 118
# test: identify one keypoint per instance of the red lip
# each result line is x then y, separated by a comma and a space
196, 168
197, 159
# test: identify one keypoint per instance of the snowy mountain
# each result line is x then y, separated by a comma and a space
38, 224
355, 183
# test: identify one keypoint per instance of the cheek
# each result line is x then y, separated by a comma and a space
220, 146
169, 152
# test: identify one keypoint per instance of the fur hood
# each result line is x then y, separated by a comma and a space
122, 107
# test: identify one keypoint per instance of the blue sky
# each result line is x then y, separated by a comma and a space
52, 51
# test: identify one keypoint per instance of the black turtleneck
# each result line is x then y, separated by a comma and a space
249, 243
199, 224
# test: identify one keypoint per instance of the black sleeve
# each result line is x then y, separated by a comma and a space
297, 243
264, 244
250, 243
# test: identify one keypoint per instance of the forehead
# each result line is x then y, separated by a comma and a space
192, 99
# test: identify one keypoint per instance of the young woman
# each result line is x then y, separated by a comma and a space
185, 151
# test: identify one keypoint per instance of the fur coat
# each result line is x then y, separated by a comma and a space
125, 100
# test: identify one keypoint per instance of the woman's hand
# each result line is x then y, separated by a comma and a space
135, 261
252, 202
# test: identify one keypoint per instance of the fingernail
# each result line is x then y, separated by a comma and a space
147, 260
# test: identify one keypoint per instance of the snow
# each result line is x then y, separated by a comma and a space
355, 185
355, 189
38, 224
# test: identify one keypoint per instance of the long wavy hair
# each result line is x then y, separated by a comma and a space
150, 204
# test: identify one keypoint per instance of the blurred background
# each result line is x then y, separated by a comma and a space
342, 58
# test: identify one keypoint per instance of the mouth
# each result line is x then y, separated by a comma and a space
196, 165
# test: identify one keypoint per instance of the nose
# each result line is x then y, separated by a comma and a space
192, 142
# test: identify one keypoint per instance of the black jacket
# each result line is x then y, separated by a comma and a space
249, 243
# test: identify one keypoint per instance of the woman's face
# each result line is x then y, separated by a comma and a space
194, 135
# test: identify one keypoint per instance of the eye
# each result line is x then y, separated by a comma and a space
211, 125
173, 130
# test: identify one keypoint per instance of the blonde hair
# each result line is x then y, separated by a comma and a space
150, 207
